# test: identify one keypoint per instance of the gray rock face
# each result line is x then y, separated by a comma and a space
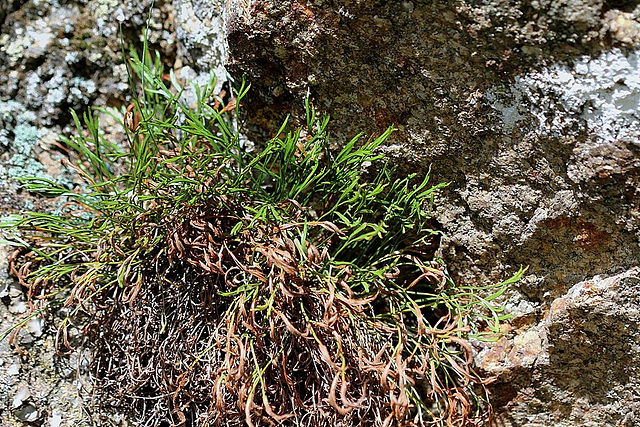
43, 387
530, 110
200, 28
62, 55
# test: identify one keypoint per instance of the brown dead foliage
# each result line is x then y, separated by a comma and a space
223, 329
223, 317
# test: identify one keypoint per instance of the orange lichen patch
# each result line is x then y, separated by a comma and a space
584, 234
590, 236
507, 354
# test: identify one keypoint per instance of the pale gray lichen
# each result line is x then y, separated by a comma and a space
601, 95
25, 138
19, 137
29, 42
8, 119
8, 109
201, 29
34, 91
22, 163
103, 11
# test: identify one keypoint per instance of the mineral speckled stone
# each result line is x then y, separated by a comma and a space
530, 110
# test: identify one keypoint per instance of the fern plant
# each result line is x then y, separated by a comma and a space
227, 287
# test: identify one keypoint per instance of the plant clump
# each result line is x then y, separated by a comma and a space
229, 288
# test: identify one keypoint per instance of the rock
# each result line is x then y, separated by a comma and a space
530, 111
28, 413
200, 29
586, 354
33, 388
451, 88
15, 290
21, 395
18, 307
14, 369
4, 289
56, 419
34, 326
61, 55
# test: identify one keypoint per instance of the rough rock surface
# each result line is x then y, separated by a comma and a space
200, 28
61, 55
41, 387
530, 109
580, 366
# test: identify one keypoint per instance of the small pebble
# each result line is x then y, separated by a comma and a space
27, 413
18, 307
35, 326
15, 290
408, 6
56, 419
22, 395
